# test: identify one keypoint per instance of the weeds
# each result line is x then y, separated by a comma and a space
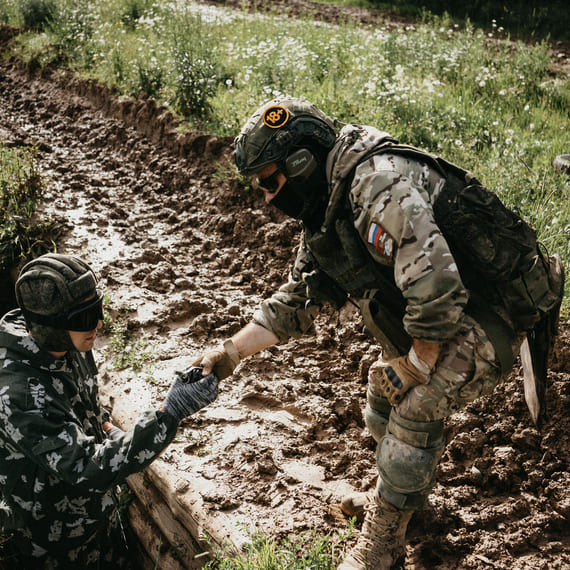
197, 441
22, 236
36, 13
125, 350
195, 67
308, 550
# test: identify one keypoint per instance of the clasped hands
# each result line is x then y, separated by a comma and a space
197, 386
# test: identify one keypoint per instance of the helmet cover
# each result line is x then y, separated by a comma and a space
276, 128
52, 285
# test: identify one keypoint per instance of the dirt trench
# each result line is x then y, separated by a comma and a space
186, 256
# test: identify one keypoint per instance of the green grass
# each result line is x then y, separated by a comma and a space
23, 235
309, 550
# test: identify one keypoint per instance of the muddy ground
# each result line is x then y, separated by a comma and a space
186, 255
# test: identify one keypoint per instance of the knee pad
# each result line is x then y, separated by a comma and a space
407, 457
376, 415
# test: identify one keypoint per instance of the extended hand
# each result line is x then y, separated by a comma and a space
222, 360
187, 397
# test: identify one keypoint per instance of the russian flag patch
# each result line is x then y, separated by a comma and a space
381, 240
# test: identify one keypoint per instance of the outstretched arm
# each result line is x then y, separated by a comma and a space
223, 359
252, 339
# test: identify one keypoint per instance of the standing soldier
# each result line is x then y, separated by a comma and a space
60, 457
373, 214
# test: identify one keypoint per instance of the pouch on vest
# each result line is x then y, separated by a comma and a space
496, 252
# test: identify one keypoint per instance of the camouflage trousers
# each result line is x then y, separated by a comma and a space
467, 368
101, 551
410, 436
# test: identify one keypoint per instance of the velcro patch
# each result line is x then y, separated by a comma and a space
276, 116
381, 240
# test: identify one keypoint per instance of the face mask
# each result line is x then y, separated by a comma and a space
289, 200
305, 190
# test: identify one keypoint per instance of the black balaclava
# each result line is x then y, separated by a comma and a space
305, 194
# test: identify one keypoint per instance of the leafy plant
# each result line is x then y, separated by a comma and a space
22, 235
133, 10
36, 13
126, 350
308, 550
197, 440
71, 30
195, 67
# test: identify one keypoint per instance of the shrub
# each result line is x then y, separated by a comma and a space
21, 186
36, 13
196, 71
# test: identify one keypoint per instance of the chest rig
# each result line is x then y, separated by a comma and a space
348, 270
497, 254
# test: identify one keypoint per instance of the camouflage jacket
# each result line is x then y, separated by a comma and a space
391, 199
58, 470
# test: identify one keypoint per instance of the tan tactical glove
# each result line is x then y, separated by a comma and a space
395, 377
222, 360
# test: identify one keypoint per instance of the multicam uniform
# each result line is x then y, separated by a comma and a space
380, 241
58, 470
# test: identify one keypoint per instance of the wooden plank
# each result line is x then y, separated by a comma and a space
188, 508
192, 554
152, 540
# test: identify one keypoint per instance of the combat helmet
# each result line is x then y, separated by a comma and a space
296, 136
58, 293
278, 128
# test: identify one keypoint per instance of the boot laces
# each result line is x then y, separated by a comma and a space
382, 535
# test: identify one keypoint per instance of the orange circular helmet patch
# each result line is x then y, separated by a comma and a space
275, 117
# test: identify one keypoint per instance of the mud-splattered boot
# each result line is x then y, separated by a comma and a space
382, 541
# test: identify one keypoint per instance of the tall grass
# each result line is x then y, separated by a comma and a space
22, 235
477, 98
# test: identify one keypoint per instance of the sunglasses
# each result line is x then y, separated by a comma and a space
82, 318
268, 184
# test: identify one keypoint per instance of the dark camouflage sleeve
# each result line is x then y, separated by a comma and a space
392, 198
60, 446
289, 313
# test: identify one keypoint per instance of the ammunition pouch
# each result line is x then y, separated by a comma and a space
385, 323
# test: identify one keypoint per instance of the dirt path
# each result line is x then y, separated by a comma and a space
186, 256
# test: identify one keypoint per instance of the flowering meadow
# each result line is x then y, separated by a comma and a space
490, 104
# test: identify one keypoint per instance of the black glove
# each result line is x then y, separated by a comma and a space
190, 392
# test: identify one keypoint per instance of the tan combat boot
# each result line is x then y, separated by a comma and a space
382, 541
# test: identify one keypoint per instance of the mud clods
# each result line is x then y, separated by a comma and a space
186, 257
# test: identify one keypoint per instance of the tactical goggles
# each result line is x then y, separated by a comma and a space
82, 318
268, 184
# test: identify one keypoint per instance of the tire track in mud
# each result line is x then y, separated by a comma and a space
190, 256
